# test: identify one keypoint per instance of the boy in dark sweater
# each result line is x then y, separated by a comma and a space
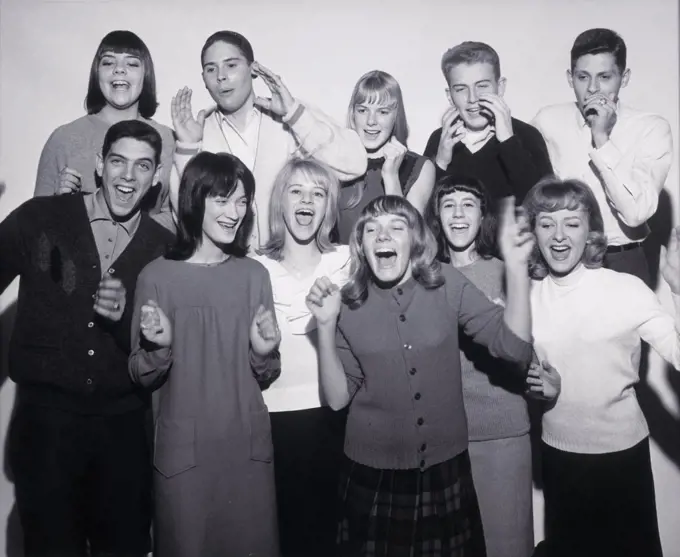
79, 448
478, 137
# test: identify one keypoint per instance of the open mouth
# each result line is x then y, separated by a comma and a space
560, 253
124, 193
372, 134
120, 85
475, 110
304, 217
459, 226
225, 92
228, 226
386, 258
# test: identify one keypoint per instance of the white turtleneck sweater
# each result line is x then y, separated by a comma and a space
589, 326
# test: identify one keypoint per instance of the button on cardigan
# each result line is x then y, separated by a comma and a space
401, 357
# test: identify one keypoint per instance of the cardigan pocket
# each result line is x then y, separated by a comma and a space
261, 447
175, 447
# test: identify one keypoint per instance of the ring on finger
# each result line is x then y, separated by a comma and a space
603, 101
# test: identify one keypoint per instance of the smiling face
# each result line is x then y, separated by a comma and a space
596, 73
227, 76
386, 243
127, 173
121, 78
466, 83
460, 213
374, 122
304, 207
562, 236
223, 216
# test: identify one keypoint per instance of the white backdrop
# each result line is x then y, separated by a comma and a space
320, 48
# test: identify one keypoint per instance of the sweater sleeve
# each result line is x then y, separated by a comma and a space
482, 320
14, 256
431, 153
265, 368
525, 159
52, 160
318, 136
655, 325
148, 364
350, 364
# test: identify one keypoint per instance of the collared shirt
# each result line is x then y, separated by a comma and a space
242, 144
626, 174
110, 236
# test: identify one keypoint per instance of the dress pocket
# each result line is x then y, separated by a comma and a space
175, 447
261, 447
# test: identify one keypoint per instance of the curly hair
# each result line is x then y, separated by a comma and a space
552, 194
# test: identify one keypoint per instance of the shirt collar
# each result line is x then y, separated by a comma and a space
97, 210
401, 294
253, 115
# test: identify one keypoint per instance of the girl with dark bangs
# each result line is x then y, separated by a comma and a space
376, 112
388, 345
589, 323
121, 86
493, 391
204, 333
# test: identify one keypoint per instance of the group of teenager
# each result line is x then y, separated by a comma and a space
334, 339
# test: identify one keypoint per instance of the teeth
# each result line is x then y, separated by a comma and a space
125, 189
560, 248
460, 226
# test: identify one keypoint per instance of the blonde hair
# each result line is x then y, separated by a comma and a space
425, 267
315, 172
552, 194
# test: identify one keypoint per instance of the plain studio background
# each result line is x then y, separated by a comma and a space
320, 49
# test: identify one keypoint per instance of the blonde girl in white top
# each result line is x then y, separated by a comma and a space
308, 436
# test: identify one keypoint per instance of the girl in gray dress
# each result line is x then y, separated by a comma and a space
204, 334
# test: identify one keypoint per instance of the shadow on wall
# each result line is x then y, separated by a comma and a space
13, 535
664, 427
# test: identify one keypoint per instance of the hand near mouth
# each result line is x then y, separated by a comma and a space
281, 101
601, 117
187, 128
453, 130
500, 111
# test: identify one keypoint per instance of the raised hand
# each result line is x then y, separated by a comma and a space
187, 128
155, 325
281, 102
453, 130
109, 301
394, 152
543, 381
264, 332
324, 301
70, 181
601, 116
500, 111
670, 261
515, 238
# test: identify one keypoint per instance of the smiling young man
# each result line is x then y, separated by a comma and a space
262, 132
479, 137
623, 154
78, 446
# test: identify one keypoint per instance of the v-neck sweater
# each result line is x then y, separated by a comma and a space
62, 353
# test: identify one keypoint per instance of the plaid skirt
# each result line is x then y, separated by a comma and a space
410, 513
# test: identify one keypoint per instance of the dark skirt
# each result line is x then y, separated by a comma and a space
308, 453
410, 513
600, 504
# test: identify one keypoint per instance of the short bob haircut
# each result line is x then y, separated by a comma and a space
378, 87
128, 43
599, 41
552, 194
210, 175
485, 242
425, 267
312, 171
134, 129
232, 38
470, 52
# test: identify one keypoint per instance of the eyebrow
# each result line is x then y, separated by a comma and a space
230, 59
475, 83
112, 54
118, 155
